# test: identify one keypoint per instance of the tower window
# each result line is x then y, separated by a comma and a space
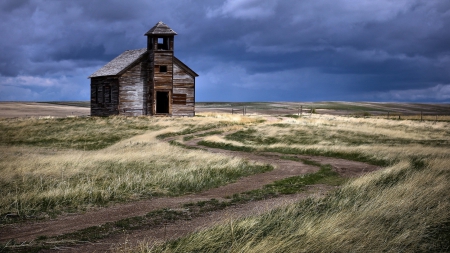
163, 43
162, 68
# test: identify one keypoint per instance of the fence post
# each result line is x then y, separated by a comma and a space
388, 115
301, 110
243, 110
420, 116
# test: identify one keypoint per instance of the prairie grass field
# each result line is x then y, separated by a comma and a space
402, 208
55, 165
52, 166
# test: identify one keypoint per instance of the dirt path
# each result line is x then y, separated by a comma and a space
183, 227
27, 232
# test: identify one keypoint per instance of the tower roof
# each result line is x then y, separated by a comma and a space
161, 29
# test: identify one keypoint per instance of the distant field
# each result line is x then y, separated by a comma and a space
335, 108
34, 109
86, 104
81, 108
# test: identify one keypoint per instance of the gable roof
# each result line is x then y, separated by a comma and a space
161, 29
184, 66
120, 63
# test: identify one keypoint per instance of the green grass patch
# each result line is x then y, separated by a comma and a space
250, 136
354, 156
190, 137
292, 185
190, 129
178, 144
226, 146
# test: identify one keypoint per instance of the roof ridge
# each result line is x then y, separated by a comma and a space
160, 29
119, 63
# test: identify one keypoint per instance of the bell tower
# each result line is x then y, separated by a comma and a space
160, 46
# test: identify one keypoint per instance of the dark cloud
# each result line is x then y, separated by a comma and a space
242, 49
11, 5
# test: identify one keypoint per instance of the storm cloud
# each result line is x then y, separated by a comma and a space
243, 50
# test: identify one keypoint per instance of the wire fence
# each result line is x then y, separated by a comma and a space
304, 111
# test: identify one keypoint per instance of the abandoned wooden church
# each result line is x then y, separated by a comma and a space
147, 81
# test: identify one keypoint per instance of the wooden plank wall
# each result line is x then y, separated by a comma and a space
183, 83
101, 106
150, 88
162, 81
133, 92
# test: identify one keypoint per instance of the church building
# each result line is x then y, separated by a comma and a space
147, 81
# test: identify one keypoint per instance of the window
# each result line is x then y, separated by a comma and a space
107, 94
162, 69
179, 99
163, 43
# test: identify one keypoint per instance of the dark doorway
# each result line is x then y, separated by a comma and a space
162, 102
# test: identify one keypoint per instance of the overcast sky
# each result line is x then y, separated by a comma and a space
243, 50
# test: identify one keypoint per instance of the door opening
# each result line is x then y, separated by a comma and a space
162, 102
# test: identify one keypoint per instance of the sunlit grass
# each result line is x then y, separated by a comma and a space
397, 210
48, 179
402, 208
74, 132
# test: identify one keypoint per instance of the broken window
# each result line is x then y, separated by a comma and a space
163, 43
162, 68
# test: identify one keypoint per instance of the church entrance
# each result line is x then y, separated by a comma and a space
162, 102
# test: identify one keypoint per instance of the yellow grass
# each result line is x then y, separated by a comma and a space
402, 208
41, 179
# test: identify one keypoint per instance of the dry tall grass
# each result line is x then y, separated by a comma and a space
402, 208
51, 179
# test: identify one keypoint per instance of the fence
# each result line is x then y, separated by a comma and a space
304, 110
299, 111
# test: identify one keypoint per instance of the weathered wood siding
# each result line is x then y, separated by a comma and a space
104, 96
133, 91
183, 83
162, 81
149, 84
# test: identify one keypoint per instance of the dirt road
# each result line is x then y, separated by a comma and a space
28, 232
